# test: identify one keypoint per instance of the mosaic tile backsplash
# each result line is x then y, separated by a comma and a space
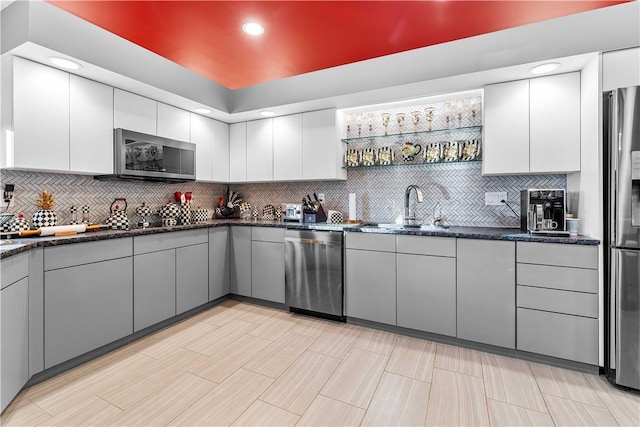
458, 188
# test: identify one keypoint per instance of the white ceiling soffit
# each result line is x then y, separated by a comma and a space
449, 67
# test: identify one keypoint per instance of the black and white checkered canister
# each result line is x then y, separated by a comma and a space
199, 215
44, 218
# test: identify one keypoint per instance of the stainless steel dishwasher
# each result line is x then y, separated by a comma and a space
313, 273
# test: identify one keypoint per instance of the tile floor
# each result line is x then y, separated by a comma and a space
244, 365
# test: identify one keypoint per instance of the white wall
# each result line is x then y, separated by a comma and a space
585, 187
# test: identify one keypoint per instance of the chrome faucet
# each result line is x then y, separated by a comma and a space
410, 219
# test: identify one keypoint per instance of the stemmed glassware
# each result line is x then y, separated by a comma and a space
349, 120
400, 118
370, 123
447, 113
459, 110
474, 104
415, 116
385, 121
359, 123
429, 113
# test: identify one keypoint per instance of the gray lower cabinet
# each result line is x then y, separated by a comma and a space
370, 285
14, 352
267, 271
427, 293
86, 307
557, 300
240, 261
154, 290
218, 262
192, 277
486, 294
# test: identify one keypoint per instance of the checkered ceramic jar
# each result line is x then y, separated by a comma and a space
44, 218
199, 215
18, 224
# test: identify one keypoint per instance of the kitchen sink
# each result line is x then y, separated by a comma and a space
391, 226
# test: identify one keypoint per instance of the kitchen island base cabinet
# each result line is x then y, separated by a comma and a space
427, 293
370, 288
218, 262
240, 261
86, 307
192, 277
486, 294
14, 352
267, 271
154, 291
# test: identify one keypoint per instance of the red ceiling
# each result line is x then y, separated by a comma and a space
304, 36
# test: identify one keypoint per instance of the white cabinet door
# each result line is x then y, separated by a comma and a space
220, 152
287, 148
238, 152
321, 146
260, 150
40, 117
202, 136
554, 124
173, 123
506, 128
134, 112
91, 126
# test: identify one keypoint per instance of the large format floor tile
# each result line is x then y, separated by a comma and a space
243, 364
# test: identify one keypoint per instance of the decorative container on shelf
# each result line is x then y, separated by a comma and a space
169, 213
199, 214
18, 224
44, 218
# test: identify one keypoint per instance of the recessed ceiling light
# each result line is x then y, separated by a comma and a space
65, 63
203, 110
253, 28
544, 68
267, 113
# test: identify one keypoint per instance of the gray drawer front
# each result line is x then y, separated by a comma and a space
86, 253
567, 302
567, 278
425, 245
558, 335
558, 254
266, 234
14, 268
371, 242
163, 241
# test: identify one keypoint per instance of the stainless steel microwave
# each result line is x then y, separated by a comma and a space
154, 158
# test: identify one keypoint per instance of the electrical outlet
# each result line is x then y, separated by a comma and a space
494, 198
321, 197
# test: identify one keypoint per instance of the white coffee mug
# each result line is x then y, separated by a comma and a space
573, 226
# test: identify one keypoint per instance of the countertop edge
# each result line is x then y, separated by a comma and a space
508, 234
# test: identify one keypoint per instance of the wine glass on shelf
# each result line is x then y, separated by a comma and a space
429, 113
447, 113
385, 122
459, 110
370, 123
359, 123
349, 120
400, 119
474, 104
415, 116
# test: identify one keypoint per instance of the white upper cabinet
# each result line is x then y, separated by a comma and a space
506, 128
321, 146
620, 68
220, 152
532, 126
40, 117
135, 112
173, 123
260, 150
238, 152
287, 148
555, 124
202, 136
91, 126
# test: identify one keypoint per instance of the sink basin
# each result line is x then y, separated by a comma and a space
391, 226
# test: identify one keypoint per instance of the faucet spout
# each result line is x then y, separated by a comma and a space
410, 219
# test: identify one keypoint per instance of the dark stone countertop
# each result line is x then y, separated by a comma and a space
14, 246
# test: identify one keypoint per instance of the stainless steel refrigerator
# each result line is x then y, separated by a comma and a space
622, 235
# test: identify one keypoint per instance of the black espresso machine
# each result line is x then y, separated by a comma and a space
543, 211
